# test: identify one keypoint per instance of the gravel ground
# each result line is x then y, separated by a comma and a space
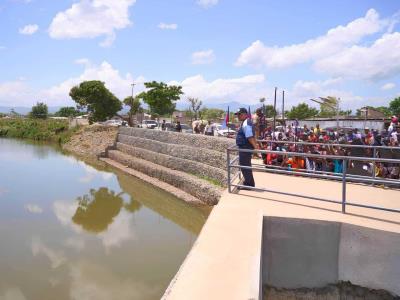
342, 290
91, 140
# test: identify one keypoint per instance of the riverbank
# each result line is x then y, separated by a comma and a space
90, 141
50, 130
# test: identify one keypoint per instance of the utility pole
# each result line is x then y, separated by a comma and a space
283, 110
274, 123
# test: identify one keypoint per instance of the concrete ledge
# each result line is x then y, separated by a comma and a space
222, 264
176, 163
206, 192
191, 140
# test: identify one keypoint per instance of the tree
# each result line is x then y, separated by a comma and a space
67, 112
328, 106
394, 106
269, 111
211, 113
100, 103
134, 107
39, 111
195, 105
160, 97
301, 112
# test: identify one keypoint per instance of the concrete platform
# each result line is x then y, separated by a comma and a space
225, 262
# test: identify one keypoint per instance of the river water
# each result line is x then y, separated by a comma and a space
71, 230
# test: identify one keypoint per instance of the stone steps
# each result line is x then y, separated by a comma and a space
176, 163
199, 188
206, 156
181, 139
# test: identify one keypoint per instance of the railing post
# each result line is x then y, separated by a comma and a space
228, 164
374, 164
344, 167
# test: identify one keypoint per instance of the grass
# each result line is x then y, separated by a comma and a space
36, 129
208, 179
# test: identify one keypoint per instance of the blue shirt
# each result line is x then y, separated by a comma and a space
247, 129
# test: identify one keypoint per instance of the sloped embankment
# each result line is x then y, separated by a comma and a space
194, 164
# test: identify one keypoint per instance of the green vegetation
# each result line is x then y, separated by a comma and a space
36, 129
394, 106
134, 107
39, 111
161, 97
67, 111
301, 112
100, 103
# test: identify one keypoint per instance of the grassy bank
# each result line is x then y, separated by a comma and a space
35, 129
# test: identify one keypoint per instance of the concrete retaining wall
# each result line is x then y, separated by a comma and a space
201, 189
308, 253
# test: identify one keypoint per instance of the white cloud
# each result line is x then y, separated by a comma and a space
12, 294
303, 91
19, 93
165, 26
203, 57
16, 93
91, 19
388, 86
29, 29
207, 3
75, 242
247, 88
334, 41
56, 258
118, 84
119, 231
33, 208
378, 61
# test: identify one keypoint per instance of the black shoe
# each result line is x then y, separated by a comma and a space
244, 188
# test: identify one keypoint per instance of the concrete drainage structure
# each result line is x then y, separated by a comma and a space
299, 253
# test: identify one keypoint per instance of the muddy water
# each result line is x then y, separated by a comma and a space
71, 230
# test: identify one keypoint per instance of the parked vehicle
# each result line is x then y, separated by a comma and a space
150, 124
114, 123
229, 131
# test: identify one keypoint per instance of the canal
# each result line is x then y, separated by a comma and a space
74, 230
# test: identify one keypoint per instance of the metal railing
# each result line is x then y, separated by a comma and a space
343, 176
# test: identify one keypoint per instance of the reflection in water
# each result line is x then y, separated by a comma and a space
96, 211
110, 237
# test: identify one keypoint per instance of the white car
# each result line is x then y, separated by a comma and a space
114, 123
150, 124
225, 132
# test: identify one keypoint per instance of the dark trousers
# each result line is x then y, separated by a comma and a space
245, 160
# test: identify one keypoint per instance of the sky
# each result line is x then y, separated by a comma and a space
218, 50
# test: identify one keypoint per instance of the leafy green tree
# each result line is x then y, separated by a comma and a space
67, 112
394, 106
301, 112
270, 111
160, 97
39, 111
100, 103
134, 107
211, 113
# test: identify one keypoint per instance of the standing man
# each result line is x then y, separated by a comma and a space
163, 126
245, 139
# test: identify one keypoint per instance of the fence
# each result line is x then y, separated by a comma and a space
344, 176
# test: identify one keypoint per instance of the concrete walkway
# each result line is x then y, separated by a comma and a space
225, 262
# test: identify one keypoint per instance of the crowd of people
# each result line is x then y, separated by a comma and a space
332, 142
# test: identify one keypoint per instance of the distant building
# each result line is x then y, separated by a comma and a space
371, 113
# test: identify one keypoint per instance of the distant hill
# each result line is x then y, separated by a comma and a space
24, 110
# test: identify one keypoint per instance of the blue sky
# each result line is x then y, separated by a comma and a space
218, 50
